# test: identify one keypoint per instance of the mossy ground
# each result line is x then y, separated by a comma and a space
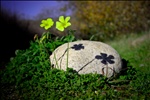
28, 76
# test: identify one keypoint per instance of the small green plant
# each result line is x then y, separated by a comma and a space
60, 25
30, 76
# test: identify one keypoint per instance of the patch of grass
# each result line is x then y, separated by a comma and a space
139, 56
137, 52
29, 75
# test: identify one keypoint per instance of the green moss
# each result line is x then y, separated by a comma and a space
29, 75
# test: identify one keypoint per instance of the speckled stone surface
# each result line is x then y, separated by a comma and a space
87, 57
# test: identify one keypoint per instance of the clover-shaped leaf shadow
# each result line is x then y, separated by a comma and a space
105, 59
78, 46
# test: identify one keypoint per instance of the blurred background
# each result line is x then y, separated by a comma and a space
102, 20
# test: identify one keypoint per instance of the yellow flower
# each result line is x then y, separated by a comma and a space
63, 23
47, 23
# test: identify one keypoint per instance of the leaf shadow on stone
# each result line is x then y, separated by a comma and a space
86, 65
105, 59
78, 46
75, 46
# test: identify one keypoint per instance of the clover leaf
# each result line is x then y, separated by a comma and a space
63, 23
78, 46
105, 59
47, 23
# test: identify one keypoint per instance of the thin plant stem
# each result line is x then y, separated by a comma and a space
67, 54
106, 70
56, 60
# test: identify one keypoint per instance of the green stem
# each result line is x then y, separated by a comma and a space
56, 60
67, 54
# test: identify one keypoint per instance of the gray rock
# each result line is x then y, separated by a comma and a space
86, 56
